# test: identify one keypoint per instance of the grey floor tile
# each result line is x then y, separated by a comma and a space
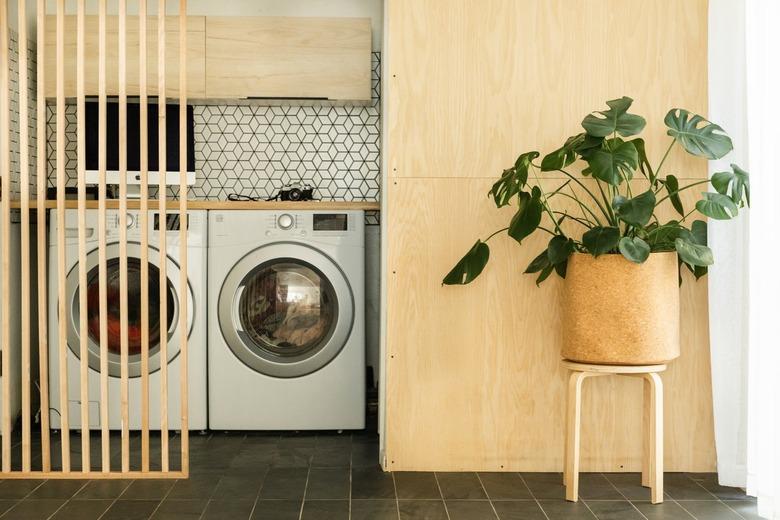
233, 486
228, 509
629, 485
6, 504
422, 510
325, 510
178, 509
292, 457
131, 510
83, 509
614, 510
333, 441
680, 487
709, 481
34, 509
709, 510
416, 485
365, 454
151, 489
563, 510
460, 486
545, 485
374, 510
197, 486
284, 483
518, 510
103, 489
328, 483
504, 486
15, 489
595, 486
277, 510
470, 510
332, 457
58, 489
746, 508
668, 510
372, 483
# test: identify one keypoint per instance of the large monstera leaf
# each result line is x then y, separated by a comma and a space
615, 120
697, 135
528, 216
612, 163
512, 180
470, 266
738, 180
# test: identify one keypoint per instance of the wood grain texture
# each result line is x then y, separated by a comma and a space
144, 217
5, 232
288, 57
196, 55
183, 260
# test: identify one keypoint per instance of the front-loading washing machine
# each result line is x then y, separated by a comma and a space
286, 325
197, 237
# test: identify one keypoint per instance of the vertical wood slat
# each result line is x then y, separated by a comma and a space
42, 175
144, 222
123, 325
82, 234
183, 230
24, 194
163, 196
62, 337
102, 260
5, 229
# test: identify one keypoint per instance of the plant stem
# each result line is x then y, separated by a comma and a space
611, 215
682, 189
496, 233
663, 160
582, 185
687, 215
583, 206
581, 221
544, 202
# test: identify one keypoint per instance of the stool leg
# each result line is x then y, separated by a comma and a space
647, 424
657, 439
566, 441
573, 435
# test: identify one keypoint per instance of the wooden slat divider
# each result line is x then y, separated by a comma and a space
122, 224
144, 149
41, 183
105, 448
24, 192
5, 231
62, 332
183, 229
163, 195
81, 158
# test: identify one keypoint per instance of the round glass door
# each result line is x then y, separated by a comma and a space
113, 299
286, 310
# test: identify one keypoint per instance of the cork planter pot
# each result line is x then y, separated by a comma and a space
617, 312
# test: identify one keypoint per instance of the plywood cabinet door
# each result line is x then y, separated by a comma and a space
276, 57
196, 43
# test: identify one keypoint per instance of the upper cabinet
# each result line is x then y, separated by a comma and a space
268, 57
196, 51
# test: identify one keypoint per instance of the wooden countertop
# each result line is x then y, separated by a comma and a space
221, 205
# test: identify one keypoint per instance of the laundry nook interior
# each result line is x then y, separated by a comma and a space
239, 276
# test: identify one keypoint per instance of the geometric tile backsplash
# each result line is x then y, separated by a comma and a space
255, 150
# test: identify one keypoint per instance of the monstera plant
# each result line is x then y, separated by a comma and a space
608, 212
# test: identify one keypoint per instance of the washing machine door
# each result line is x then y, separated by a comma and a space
286, 310
113, 335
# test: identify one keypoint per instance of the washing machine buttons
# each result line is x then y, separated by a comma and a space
285, 221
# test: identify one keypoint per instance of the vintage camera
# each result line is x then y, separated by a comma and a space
296, 192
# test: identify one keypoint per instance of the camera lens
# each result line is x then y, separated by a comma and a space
295, 194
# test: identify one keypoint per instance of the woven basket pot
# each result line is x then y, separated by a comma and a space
617, 312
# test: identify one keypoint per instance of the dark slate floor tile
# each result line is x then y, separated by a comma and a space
668, 510
422, 510
614, 510
15, 489
58, 489
545, 485
292, 458
372, 483
332, 457
595, 486
746, 508
131, 510
197, 486
374, 510
284, 483
6, 504
103, 489
709, 510
277, 510
328, 483
680, 487
297, 440
151, 489
470, 510
504, 486
234, 486
709, 481
563, 510
416, 485
518, 510
34, 509
460, 486
629, 485
333, 441
83, 509
218, 509
365, 454
325, 510
176, 509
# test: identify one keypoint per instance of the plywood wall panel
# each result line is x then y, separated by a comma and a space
473, 377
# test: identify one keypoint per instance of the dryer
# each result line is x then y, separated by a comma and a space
286, 325
197, 237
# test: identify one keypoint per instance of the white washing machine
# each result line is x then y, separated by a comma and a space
196, 262
286, 325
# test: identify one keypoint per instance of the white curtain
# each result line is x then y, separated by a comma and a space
744, 58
